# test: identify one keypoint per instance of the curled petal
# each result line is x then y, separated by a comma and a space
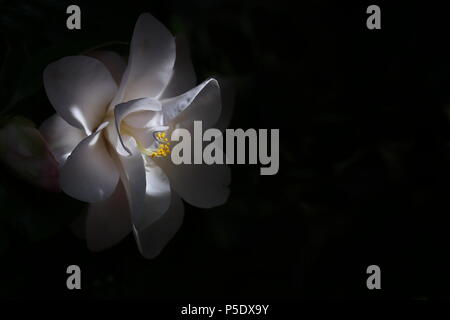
90, 174
124, 109
227, 93
200, 103
80, 89
61, 137
112, 136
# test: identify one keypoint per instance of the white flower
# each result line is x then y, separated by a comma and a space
110, 137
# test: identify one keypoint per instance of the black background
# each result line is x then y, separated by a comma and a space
364, 154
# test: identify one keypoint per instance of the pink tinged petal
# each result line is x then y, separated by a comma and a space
80, 89
155, 237
151, 61
108, 221
124, 109
203, 186
89, 174
183, 77
200, 103
115, 63
61, 137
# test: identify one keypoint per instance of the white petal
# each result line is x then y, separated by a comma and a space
227, 94
89, 174
145, 119
154, 238
112, 136
124, 109
200, 185
80, 89
61, 137
151, 61
115, 63
200, 103
147, 186
108, 221
183, 77
157, 195
132, 174
145, 138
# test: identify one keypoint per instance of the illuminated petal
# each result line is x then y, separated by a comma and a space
200, 103
145, 119
124, 109
157, 195
80, 89
147, 186
227, 94
151, 61
89, 174
61, 137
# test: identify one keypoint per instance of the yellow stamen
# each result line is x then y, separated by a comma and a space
163, 144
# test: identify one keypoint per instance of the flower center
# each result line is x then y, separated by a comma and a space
160, 138
163, 145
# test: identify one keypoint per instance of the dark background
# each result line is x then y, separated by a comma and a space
364, 154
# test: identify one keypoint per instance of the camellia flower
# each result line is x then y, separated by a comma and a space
111, 136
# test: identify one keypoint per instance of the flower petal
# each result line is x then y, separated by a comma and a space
151, 61
227, 94
89, 174
183, 77
115, 63
108, 221
200, 185
147, 186
61, 137
112, 136
80, 89
200, 103
132, 175
145, 119
124, 109
157, 195
154, 238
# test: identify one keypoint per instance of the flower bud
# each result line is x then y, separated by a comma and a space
24, 150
